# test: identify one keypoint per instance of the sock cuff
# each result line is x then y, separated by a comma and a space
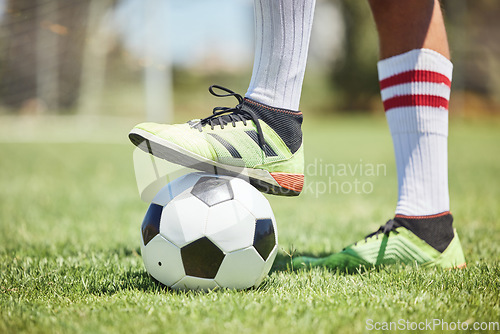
436, 230
415, 88
248, 100
418, 59
286, 123
445, 213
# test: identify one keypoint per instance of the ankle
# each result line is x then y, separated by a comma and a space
286, 123
436, 230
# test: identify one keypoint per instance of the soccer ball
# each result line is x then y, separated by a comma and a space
204, 231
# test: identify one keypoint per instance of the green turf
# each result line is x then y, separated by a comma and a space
69, 243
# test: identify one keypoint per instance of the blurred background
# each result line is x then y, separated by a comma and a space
123, 61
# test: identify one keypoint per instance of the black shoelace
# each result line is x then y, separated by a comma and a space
222, 116
391, 225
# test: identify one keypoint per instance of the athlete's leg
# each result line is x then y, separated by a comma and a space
405, 25
261, 137
415, 77
282, 32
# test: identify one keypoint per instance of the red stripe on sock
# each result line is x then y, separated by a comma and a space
416, 100
415, 76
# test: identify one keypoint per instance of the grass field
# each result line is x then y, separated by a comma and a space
70, 258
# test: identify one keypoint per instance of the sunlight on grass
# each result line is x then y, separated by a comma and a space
69, 243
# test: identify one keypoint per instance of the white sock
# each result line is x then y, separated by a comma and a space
282, 32
415, 88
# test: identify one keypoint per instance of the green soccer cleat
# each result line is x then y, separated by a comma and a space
251, 140
390, 244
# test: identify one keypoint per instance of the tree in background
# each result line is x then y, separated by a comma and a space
473, 29
354, 76
43, 44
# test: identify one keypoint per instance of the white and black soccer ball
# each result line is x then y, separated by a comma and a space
204, 231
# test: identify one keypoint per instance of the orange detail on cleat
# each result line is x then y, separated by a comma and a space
290, 181
460, 266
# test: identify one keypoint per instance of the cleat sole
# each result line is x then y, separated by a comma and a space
283, 184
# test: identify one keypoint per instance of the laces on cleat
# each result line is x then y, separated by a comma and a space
391, 225
221, 116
